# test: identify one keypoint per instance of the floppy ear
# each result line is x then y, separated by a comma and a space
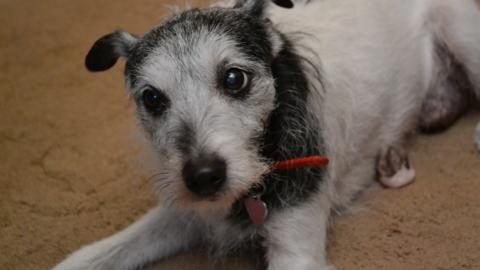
106, 51
256, 8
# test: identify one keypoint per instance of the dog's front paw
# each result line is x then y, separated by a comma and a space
87, 258
304, 267
299, 262
477, 137
74, 263
77, 262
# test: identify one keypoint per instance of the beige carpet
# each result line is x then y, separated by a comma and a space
69, 151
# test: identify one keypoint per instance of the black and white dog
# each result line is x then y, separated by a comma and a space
224, 92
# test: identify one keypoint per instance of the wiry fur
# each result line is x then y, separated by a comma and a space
345, 79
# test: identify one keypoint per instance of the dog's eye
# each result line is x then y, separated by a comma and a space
154, 101
236, 81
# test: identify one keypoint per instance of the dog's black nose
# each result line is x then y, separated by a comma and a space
204, 176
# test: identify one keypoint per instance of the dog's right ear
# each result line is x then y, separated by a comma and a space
106, 51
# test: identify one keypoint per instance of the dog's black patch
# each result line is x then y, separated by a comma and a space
291, 132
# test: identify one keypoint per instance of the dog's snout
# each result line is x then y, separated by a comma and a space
204, 176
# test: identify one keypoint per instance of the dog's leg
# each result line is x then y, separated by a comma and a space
160, 233
296, 237
394, 168
455, 23
448, 98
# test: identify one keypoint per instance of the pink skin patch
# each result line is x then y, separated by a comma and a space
256, 209
400, 179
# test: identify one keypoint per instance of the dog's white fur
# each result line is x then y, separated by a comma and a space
378, 62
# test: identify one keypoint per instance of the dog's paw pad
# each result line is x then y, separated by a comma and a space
401, 178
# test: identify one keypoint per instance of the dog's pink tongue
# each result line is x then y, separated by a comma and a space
257, 210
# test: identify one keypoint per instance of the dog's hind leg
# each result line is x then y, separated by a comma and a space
448, 97
456, 24
394, 168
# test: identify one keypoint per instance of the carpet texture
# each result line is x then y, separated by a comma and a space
69, 151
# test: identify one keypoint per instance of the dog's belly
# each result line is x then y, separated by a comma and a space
376, 60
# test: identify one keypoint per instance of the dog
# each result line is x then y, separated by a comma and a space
225, 92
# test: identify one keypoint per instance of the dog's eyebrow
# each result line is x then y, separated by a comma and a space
248, 66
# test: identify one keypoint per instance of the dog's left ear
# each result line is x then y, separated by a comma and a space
106, 50
256, 8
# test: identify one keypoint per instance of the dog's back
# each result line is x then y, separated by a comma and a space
379, 59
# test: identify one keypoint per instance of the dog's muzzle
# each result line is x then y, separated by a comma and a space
205, 175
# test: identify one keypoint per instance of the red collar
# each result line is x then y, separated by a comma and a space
256, 208
312, 161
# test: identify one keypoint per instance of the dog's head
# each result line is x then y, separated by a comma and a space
204, 90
